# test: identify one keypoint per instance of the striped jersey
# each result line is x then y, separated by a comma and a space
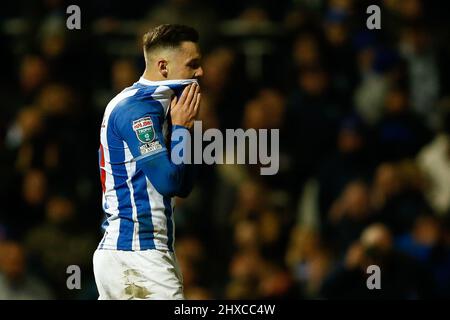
134, 130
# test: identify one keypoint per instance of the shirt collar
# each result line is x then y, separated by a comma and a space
165, 82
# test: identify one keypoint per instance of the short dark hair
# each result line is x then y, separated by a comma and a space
169, 35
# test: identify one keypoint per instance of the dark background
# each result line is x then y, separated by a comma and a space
364, 119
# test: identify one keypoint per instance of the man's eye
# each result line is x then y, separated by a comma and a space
193, 65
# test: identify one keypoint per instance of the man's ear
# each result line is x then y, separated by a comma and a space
162, 67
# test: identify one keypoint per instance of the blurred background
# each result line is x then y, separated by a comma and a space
364, 119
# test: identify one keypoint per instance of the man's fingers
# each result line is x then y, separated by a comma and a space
194, 97
190, 95
173, 103
186, 90
197, 103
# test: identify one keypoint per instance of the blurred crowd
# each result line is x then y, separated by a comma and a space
364, 119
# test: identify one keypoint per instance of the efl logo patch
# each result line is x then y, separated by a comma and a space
150, 147
144, 130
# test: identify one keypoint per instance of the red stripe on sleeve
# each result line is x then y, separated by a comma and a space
102, 171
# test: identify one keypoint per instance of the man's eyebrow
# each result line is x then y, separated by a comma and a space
196, 59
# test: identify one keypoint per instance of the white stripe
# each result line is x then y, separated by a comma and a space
172, 204
131, 170
163, 94
146, 82
111, 202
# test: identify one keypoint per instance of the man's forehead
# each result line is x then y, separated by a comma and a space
190, 49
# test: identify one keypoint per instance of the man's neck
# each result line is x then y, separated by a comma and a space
152, 77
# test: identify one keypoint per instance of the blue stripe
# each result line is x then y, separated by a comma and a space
144, 211
168, 213
145, 94
119, 172
177, 88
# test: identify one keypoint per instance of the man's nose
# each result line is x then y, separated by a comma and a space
199, 73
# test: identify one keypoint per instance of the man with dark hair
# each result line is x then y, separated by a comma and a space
174, 49
135, 259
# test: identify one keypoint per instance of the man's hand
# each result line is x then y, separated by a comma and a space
184, 111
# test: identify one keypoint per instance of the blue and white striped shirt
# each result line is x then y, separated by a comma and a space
138, 178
